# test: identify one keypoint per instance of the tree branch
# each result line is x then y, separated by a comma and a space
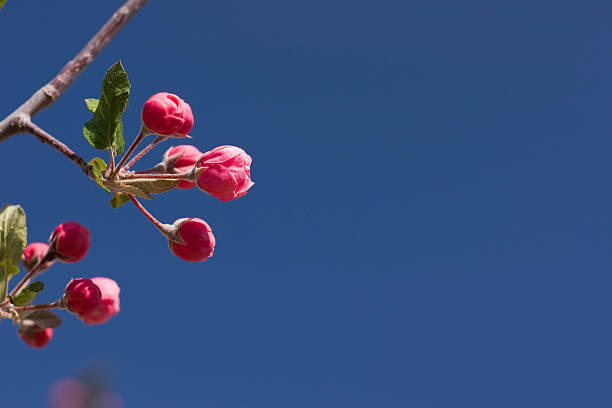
16, 122
46, 138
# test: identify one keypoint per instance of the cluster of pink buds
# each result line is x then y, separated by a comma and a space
223, 172
93, 300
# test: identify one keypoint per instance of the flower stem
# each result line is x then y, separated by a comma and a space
39, 306
5, 290
155, 170
112, 160
147, 214
49, 256
179, 176
129, 152
146, 150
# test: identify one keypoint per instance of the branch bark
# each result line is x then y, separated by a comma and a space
46, 138
17, 122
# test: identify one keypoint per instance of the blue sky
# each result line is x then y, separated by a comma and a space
430, 224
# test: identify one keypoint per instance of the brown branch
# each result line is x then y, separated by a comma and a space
17, 121
46, 138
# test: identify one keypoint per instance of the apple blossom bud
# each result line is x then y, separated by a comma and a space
36, 337
109, 305
179, 159
228, 172
82, 296
73, 393
166, 114
33, 253
70, 241
68, 393
198, 240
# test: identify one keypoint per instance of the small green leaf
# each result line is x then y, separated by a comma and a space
92, 104
103, 131
119, 143
123, 187
97, 166
2, 3
118, 199
13, 239
142, 187
153, 186
28, 294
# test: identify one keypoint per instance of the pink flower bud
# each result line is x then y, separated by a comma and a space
70, 241
33, 253
166, 114
82, 296
199, 241
228, 172
189, 155
73, 393
109, 305
68, 393
37, 337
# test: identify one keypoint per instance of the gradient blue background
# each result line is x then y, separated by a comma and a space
431, 224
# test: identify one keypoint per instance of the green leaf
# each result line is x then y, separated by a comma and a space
13, 239
28, 294
92, 104
97, 166
119, 143
104, 130
2, 3
118, 199
142, 187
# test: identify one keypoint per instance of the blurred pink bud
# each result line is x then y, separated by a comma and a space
36, 337
33, 253
70, 241
68, 393
189, 155
199, 241
228, 172
73, 393
166, 114
109, 305
82, 296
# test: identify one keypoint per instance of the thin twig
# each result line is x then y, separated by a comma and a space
46, 138
49, 256
45, 96
144, 151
